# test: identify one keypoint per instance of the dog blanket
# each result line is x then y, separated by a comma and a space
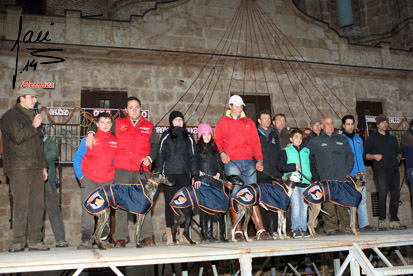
344, 193
130, 197
274, 196
209, 199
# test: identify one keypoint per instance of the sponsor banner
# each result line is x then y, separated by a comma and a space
392, 120
96, 112
161, 129
58, 111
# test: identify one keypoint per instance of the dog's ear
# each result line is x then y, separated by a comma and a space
235, 179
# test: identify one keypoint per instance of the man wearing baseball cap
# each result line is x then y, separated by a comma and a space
237, 139
315, 125
25, 164
383, 149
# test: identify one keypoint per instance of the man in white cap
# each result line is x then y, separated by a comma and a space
25, 164
237, 139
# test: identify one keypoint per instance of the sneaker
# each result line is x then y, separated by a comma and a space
305, 234
382, 225
331, 233
275, 235
297, 234
61, 243
368, 228
85, 245
17, 247
397, 225
39, 247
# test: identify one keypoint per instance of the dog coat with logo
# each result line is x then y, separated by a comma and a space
130, 197
344, 193
209, 199
273, 196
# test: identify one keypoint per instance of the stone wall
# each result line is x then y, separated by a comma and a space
158, 58
374, 21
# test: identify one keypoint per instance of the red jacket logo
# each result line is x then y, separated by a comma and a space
123, 127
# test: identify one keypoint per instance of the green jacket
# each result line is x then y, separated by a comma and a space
301, 157
22, 143
52, 157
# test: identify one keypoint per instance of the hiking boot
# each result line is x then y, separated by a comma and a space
397, 225
382, 225
61, 243
368, 228
85, 245
40, 246
17, 247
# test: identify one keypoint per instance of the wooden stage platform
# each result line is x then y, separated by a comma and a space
71, 258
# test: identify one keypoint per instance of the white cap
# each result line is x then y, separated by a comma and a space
236, 100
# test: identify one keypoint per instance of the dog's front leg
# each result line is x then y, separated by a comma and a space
313, 214
282, 225
222, 226
240, 215
139, 222
353, 217
103, 221
248, 215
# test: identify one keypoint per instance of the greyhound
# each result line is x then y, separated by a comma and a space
187, 198
134, 198
273, 197
345, 193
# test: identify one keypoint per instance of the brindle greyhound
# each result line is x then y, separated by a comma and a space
315, 208
185, 214
287, 187
150, 189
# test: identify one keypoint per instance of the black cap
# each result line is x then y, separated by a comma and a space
381, 118
175, 114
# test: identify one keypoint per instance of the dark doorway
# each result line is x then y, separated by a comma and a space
365, 108
254, 104
95, 101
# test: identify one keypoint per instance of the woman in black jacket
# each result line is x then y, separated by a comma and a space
210, 170
176, 159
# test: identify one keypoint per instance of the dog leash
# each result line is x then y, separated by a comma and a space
223, 182
309, 180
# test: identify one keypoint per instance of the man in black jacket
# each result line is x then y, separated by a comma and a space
25, 164
335, 160
383, 149
271, 149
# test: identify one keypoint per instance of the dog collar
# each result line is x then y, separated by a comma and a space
153, 182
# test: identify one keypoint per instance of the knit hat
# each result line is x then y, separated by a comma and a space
26, 91
315, 120
175, 114
203, 128
381, 118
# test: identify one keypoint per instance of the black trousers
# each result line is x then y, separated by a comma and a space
180, 181
388, 180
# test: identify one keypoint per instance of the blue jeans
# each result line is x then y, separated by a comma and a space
362, 216
247, 167
298, 210
409, 173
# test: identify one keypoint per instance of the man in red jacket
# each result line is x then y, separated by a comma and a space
137, 144
237, 139
94, 168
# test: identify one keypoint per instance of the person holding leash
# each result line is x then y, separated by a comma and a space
177, 160
210, 170
297, 158
238, 143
